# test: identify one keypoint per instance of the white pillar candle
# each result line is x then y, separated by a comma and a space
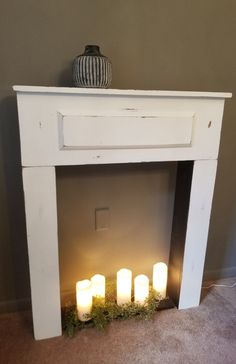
160, 278
141, 288
98, 285
124, 285
84, 299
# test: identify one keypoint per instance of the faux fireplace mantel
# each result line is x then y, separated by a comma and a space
69, 126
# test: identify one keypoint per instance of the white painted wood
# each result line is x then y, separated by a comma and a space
48, 120
202, 189
125, 131
99, 91
41, 221
41, 140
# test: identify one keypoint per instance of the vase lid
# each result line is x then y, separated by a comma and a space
92, 50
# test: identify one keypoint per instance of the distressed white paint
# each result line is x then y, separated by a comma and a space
41, 137
202, 189
186, 126
41, 222
100, 91
124, 131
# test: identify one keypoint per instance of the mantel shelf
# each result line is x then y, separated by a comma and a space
98, 91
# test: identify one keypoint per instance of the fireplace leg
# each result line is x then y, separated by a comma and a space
194, 193
41, 222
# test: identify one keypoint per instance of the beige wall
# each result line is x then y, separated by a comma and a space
139, 199
176, 45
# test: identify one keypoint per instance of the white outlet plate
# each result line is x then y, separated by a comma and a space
102, 218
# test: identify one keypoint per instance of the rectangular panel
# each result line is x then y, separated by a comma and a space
126, 131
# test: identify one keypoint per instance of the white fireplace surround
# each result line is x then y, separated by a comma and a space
70, 126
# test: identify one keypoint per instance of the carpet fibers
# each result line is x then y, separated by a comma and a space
206, 335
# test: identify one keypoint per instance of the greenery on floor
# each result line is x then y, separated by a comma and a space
105, 312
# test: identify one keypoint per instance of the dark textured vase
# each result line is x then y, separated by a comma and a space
92, 69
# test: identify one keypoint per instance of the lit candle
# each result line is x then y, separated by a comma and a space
84, 299
160, 278
124, 284
141, 288
98, 285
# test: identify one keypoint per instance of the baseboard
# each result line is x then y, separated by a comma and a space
219, 273
15, 305
67, 296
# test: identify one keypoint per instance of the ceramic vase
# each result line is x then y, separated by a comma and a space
92, 69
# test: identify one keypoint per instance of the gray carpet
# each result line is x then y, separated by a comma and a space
206, 334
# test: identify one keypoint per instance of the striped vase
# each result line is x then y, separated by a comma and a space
92, 69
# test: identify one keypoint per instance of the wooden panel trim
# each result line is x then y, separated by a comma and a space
101, 132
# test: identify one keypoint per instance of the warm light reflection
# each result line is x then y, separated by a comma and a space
160, 278
124, 285
98, 285
141, 288
84, 299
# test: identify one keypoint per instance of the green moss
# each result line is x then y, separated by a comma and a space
104, 313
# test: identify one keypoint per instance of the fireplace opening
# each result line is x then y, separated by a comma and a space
121, 215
